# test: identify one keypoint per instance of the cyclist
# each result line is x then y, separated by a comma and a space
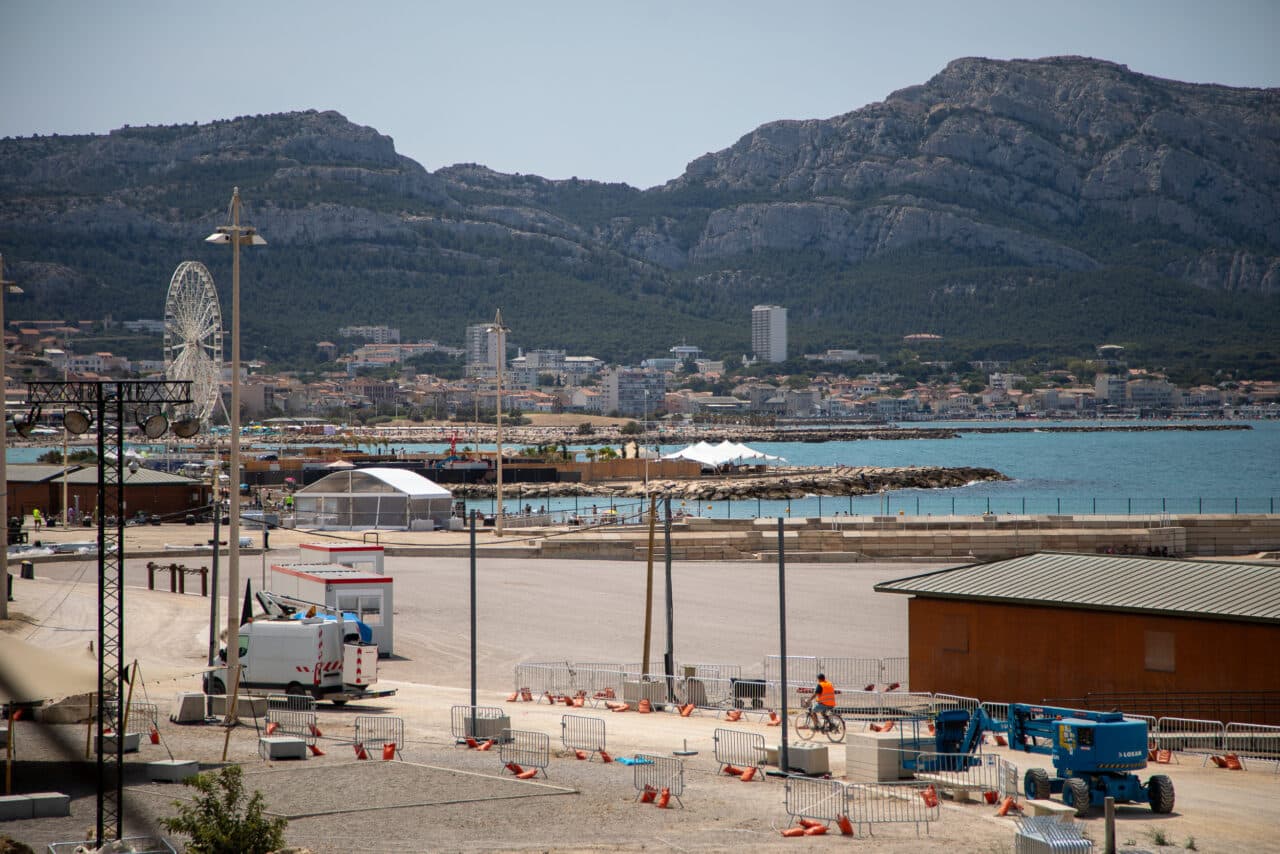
824, 699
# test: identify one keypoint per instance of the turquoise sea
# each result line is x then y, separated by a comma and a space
1111, 472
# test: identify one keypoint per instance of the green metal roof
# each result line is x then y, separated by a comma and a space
1219, 590
38, 472
142, 477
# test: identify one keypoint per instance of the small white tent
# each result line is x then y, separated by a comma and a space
726, 453
357, 499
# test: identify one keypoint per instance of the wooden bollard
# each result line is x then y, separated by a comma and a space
181, 572
204, 581
173, 579
151, 575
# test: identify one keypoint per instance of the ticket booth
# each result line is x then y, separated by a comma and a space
355, 555
366, 594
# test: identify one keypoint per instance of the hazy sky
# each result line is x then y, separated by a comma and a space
615, 91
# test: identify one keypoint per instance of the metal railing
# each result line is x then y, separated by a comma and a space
1262, 706
736, 747
526, 749
1190, 735
376, 731
967, 772
882, 803
656, 773
820, 800
578, 732
475, 722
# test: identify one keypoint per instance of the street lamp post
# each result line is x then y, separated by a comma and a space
501, 331
237, 235
5, 288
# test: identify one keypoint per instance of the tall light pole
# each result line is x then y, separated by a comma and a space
501, 331
5, 288
237, 235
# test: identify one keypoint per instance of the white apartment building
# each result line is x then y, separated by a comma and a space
769, 333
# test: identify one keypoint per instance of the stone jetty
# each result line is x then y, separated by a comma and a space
796, 482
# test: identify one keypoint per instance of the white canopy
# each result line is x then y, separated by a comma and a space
31, 673
725, 453
353, 499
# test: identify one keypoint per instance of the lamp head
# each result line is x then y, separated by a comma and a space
76, 421
24, 423
154, 425
185, 428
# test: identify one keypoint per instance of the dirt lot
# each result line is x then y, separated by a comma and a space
445, 798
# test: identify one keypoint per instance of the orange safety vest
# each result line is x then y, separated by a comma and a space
826, 693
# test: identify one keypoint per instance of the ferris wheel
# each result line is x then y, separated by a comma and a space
193, 336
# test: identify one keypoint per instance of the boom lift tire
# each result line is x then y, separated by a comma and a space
1035, 784
1160, 793
1075, 793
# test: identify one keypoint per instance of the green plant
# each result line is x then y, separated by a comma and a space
219, 822
1191, 844
1158, 837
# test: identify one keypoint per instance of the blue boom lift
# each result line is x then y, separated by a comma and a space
1094, 753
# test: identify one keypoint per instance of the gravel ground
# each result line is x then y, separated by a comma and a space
443, 798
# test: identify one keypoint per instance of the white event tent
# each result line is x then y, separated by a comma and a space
356, 499
726, 453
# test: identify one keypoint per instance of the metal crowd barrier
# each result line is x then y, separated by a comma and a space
1190, 735
298, 724
885, 803
1044, 834
802, 676
658, 773
851, 673
945, 702
146, 715
708, 693
460, 722
999, 715
578, 732
896, 671
736, 747
289, 703
821, 800
374, 731
526, 749
1254, 741
543, 677
962, 772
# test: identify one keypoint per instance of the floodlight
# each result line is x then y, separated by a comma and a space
185, 428
77, 421
154, 425
25, 423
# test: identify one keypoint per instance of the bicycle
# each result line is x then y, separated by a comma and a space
810, 721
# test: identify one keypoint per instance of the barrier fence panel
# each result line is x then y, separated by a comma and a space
848, 674
140, 715
526, 749
885, 803
710, 671
896, 671
736, 747
289, 703
708, 693
1045, 834
752, 694
374, 731
604, 684
963, 772
802, 671
658, 773
544, 678
999, 715
1189, 735
859, 707
1257, 741
944, 702
460, 722
298, 724
821, 800
1151, 727
906, 704
578, 732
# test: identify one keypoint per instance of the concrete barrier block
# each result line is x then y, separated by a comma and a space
14, 807
132, 740
246, 707
282, 747
172, 770
50, 805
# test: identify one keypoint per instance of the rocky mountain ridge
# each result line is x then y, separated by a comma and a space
1031, 177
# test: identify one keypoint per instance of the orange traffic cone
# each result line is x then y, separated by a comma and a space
272, 726
579, 702
488, 745
687, 709
991, 797
733, 715
1001, 740
846, 826
604, 757
816, 831
732, 771
315, 730
749, 774
648, 795
1216, 760
155, 736
513, 696
888, 725
526, 695
774, 720
1233, 762
581, 754
806, 823
1007, 806
1164, 757
361, 753
315, 750
472, 744
664, 798
930, 796
568, 701
645, 706
389, 750
514, 768
528, 774
792, 832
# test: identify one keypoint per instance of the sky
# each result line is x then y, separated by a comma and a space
610, 91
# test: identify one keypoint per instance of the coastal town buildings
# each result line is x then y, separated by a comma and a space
769, 333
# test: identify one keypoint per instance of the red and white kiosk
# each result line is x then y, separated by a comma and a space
369, 595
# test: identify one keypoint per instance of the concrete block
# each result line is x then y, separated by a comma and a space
14, 807
246, 707
486, 728
188, 708
132, 740
172, 770
1065, 814
809, 758
50, 805
282, 747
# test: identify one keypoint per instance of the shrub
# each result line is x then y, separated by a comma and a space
218, 822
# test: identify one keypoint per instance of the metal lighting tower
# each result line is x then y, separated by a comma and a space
5, 288
237, 235
107, 401
501, 331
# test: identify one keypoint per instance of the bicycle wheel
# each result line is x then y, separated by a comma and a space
835, 731
804, 725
